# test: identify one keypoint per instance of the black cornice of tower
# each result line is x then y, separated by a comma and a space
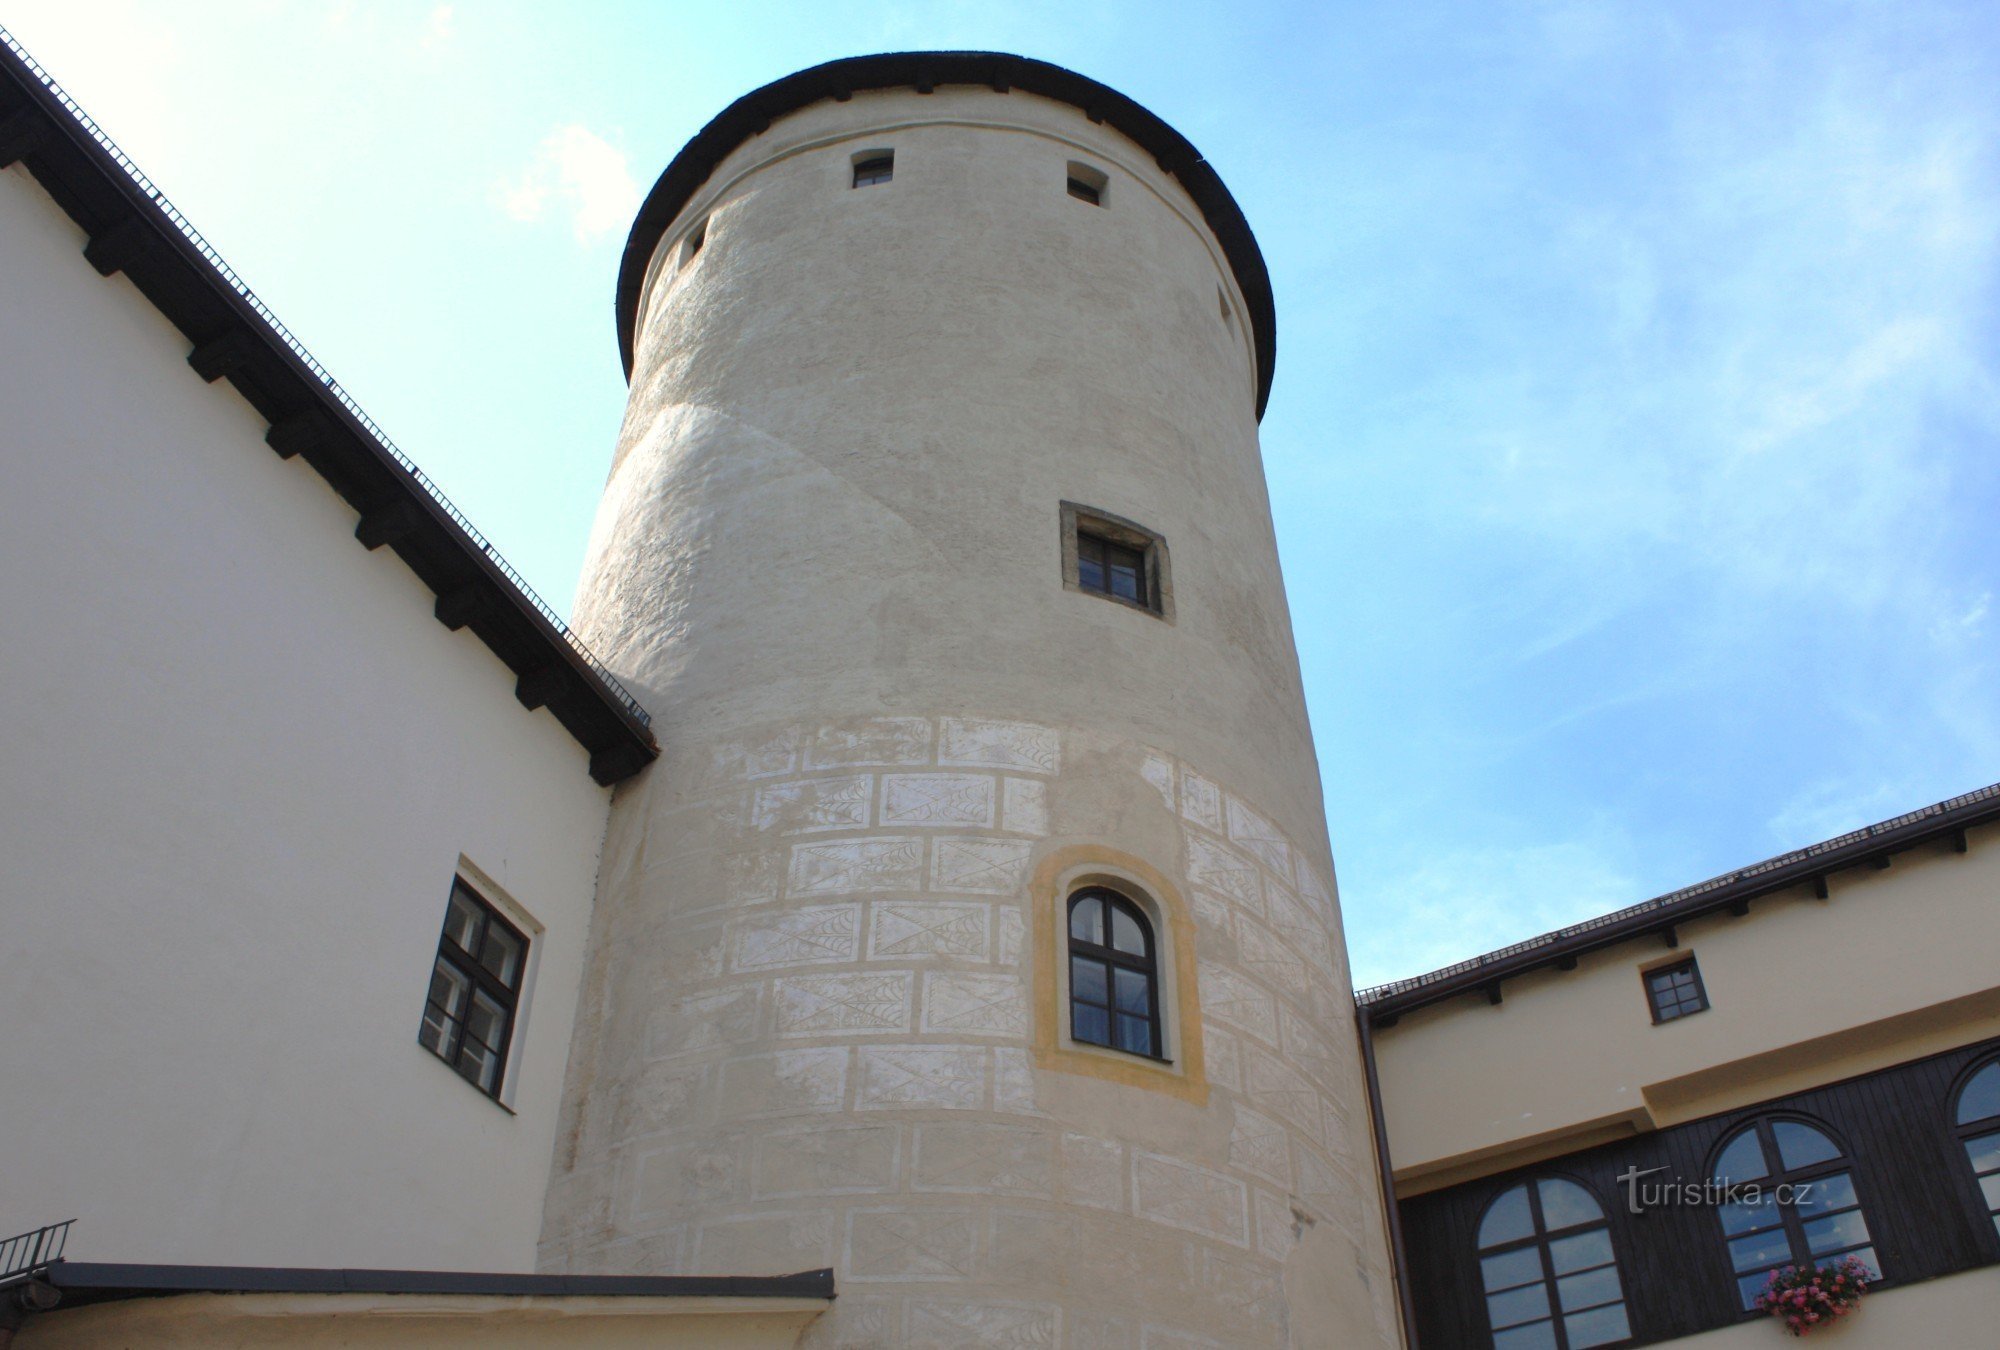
752, 114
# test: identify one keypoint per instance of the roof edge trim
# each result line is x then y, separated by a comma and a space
752, 114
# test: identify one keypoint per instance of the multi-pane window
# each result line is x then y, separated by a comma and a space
1114, 975
475, 989
1548, 1272
1978, 1122
1118, 559
1795, 1203
874, 168
1675, 991
1110, 568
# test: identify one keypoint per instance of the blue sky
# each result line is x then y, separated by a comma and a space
1633, 444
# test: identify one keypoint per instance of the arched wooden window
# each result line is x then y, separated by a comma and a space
1977, 1118
1796, 1205
1114, 975
1546, 1265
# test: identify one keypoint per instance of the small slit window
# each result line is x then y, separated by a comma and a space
1087, 184
1548, 1272
696, 238
1114, 975
1977, 1118
1675, 991
874, 167
1118, 559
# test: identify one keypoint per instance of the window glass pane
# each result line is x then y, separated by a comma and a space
1566, 1204
1989, 1186
1743, 1160
1086, 920
1750, 1286
439, 1033
1135, 1034
1539, 1336
1760, 1250
1135, 992
448, 988
1827, 1193
1599, 1326
1125, 582
1090, 1025
1801, 1145
1086, 980
488, 1021
479, 1064
461, 922
1509, 1269
1981, 1097
1588, 1290
1866, 1256
1984, 1152
1507, 1220
1836, 1231
502, 955
1580, 1252
1126, 935
1518, 1305
1741, 1216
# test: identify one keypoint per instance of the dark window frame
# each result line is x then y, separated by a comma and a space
1080, 522
872, 168
1688, 965
480, 979
1540, 1239
1087, 183
1790, 1223
1964, 1132
1114, 960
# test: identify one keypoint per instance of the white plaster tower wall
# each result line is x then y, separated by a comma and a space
824, 1023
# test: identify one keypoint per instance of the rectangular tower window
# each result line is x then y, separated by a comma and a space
1111, 568
874, 166
1087, 184
1121, 560
475, 990
1675, 991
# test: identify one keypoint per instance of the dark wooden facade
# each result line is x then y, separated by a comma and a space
1910, 1169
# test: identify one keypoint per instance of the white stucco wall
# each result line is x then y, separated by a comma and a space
241, 762
829, 554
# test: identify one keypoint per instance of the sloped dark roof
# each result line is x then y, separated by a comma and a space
134, 229
752, 114
1871, 845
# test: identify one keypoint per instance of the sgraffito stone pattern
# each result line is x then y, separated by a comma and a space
812, 985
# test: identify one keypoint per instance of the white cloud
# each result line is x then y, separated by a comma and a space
576, 170
1459, 903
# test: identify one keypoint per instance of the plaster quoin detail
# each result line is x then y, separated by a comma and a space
852, 1084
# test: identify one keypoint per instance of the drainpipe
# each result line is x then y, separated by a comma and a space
1386, 1178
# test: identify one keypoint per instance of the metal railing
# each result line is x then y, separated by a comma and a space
172, 215
26, 1255
1673, 898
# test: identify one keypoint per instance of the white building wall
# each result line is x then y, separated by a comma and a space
241, 763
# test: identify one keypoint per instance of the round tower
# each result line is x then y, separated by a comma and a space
975, 935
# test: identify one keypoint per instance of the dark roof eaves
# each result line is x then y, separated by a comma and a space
753, 113
194, 290
101, 1282
1786, 870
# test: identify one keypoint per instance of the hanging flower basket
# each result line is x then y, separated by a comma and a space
1806, 1298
